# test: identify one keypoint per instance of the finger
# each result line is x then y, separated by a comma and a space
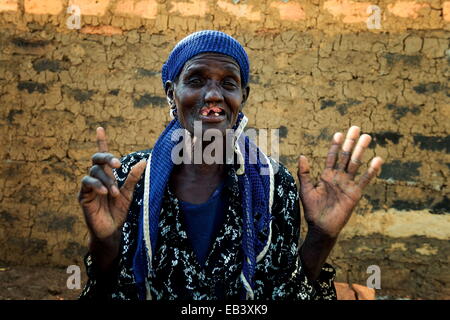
304, 177
89, 184
102, 144
357, 155
347, 147
334, 149
98, 173
374, 169
106, 159
133, 177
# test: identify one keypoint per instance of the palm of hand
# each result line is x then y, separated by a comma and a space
329, 204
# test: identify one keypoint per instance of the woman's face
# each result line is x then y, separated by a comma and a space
208, 90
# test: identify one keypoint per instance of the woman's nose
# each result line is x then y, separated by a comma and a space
213, 93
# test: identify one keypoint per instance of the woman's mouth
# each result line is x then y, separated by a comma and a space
212, 114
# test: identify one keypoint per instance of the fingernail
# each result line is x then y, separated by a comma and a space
116, 162
115, 190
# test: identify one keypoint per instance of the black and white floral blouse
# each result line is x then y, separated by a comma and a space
178, 275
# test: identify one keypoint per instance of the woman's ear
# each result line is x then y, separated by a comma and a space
169, 88
245, 94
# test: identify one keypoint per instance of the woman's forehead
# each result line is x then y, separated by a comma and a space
204, 59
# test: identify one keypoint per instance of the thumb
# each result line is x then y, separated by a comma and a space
303, 176
133, 177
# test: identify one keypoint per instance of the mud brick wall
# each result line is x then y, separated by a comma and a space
318, 66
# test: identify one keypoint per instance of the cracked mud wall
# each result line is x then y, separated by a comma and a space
316, 68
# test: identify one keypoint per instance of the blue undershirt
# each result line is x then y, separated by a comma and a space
203, 221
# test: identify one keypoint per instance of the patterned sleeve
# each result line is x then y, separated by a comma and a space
120, 284
281, 269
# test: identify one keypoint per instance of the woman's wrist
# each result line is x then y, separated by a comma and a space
314, 252
105, 251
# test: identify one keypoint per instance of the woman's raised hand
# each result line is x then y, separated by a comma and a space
329, 204
104, 205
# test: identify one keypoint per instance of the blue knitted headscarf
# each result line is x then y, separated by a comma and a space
201, 42
256, 189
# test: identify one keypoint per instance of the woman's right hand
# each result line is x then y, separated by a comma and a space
104, 205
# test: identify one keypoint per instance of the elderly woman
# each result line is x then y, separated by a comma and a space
214, 230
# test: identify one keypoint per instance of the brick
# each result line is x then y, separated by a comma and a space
8, 5
350, 11
289, 11
161, 22
240, 10
43, 7
191, 8
344, 291
413, 44
147, 9
91, 8
406, 9
434, 48
363, 292
103, 30
446, 10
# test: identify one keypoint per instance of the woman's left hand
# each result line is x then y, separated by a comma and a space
329, 204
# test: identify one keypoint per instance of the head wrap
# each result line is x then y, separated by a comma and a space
205, 41
255, 174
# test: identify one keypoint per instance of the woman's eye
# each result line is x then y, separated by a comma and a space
194, 81
229, 84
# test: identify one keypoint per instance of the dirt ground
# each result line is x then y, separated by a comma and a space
36, 283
